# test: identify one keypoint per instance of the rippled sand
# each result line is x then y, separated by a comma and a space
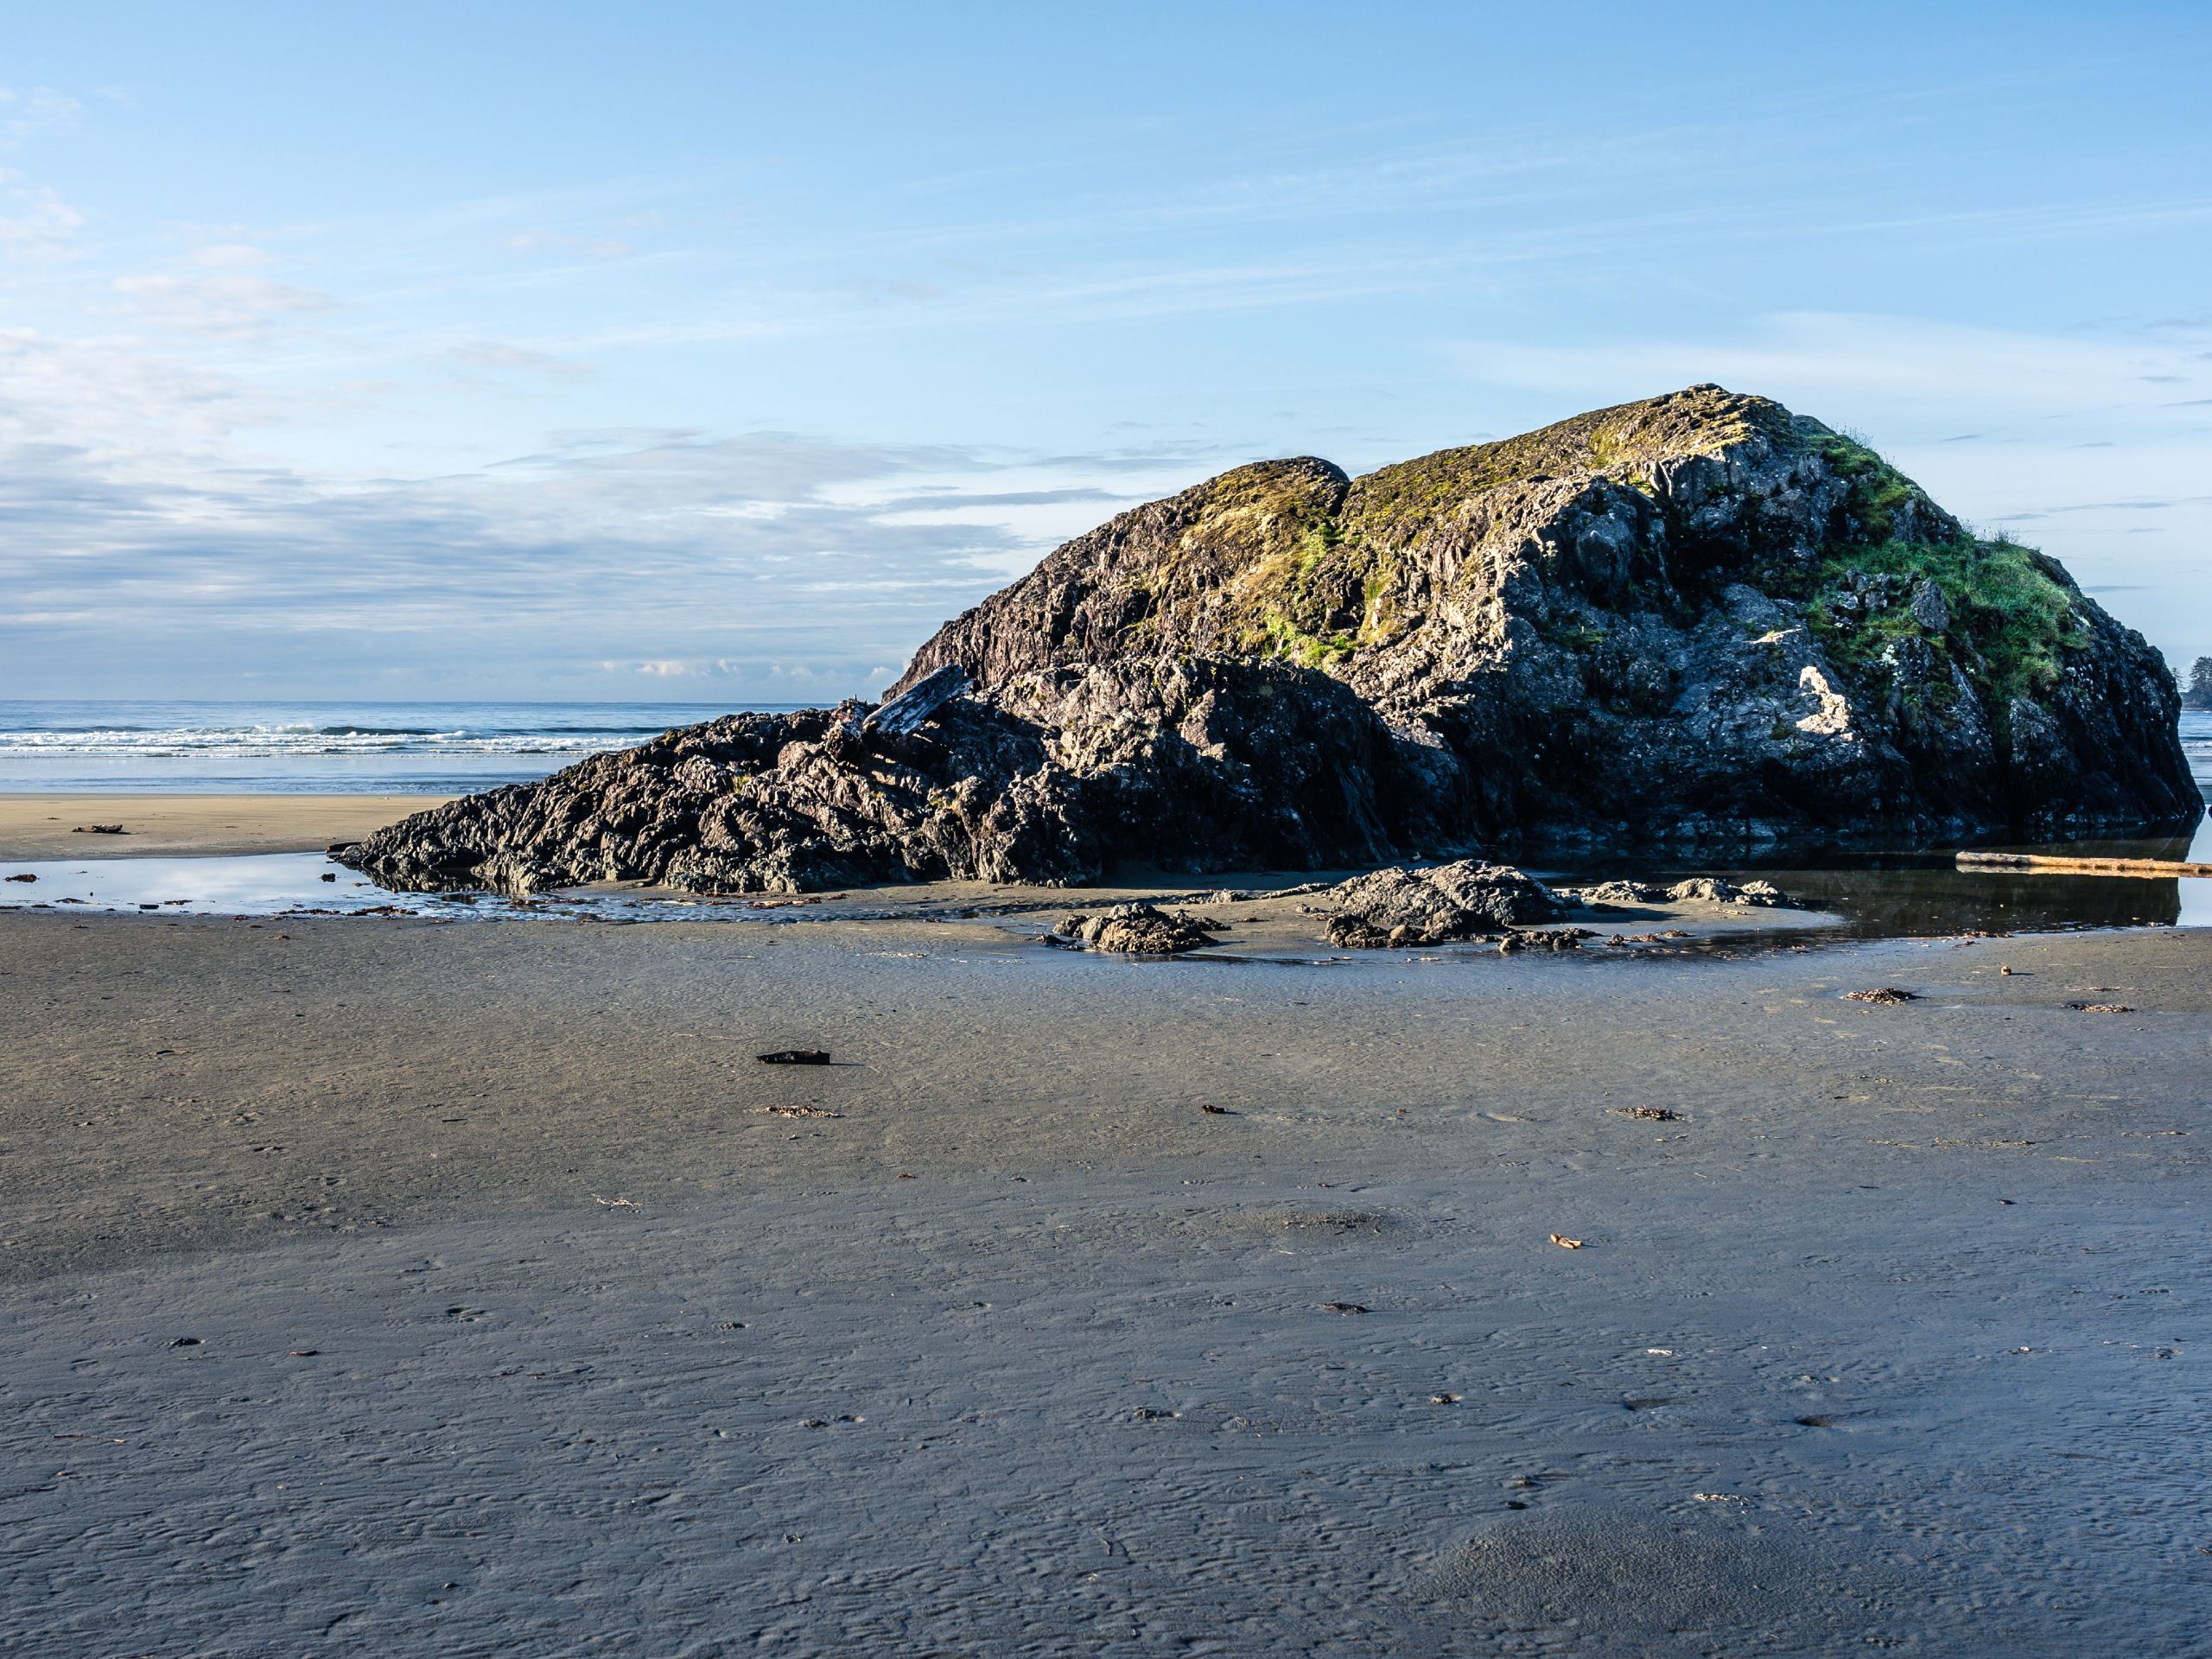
385, 1285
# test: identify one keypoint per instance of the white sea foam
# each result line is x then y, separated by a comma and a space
265, 742
257, 746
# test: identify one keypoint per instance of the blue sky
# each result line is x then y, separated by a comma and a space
718, 352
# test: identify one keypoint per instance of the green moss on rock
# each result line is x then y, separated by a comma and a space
2010, 607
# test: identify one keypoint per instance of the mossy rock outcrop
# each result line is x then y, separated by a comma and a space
1697, 618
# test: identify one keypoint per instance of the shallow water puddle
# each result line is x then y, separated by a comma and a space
255, 884
1903, 896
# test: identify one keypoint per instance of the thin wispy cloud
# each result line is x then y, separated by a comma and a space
758, 389
227, 304
765, 540
492, 366
36, 226
28, 111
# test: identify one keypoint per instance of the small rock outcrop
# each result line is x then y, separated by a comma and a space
1616, 893
1711, 890
1451, 904
1696, 620
1141, 929
1698, 890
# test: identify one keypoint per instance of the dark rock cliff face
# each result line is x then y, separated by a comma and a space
1694, 620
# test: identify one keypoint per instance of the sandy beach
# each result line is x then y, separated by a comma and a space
394, 1284
41, 826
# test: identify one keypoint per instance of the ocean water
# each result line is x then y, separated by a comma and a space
429, 748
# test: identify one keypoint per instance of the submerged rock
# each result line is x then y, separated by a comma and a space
1546, 939
1695, 619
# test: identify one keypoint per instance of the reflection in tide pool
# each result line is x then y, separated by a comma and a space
309, 884
1925, 894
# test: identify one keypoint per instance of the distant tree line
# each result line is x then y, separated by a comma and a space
2198, 693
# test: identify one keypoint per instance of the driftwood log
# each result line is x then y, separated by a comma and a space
2050, 865
907, 711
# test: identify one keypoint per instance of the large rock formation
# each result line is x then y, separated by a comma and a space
1695, 617
1694, 620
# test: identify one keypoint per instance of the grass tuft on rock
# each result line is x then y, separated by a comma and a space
1878, 491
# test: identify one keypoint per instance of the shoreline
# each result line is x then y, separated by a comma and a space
167, 833
36, 826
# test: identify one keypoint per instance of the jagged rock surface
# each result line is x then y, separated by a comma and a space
1698, 618
1711, 890
1203, 764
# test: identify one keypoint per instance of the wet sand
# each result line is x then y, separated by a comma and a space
398, 1285
37, 826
